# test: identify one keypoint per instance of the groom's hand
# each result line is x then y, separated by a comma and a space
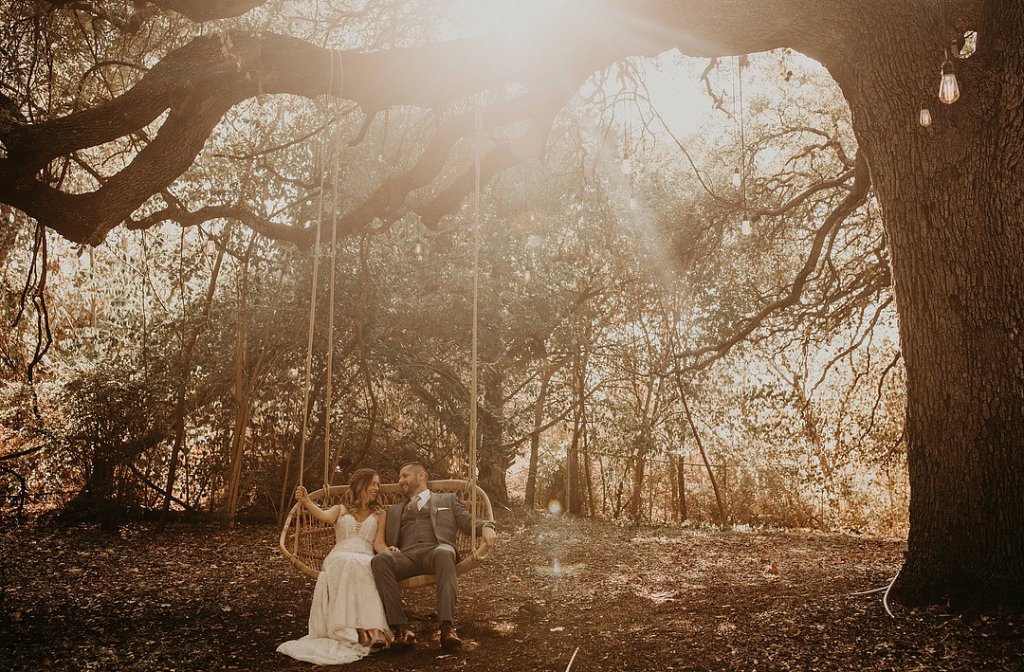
489, 536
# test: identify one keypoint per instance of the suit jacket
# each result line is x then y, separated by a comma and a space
447, 514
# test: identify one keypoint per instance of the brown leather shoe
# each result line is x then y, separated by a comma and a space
449, 638
404, 638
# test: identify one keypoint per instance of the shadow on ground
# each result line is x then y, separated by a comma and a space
657, 599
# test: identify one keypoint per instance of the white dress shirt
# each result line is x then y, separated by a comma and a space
422, 499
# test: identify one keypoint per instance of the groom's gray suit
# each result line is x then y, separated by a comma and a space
426, 538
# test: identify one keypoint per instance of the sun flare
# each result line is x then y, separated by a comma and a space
511, 17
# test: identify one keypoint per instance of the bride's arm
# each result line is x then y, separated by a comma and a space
330, 516
379, 545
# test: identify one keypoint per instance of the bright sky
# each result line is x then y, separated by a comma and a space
671, 78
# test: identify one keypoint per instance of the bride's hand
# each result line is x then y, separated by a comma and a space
301, 493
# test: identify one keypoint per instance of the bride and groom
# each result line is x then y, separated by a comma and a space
357, 607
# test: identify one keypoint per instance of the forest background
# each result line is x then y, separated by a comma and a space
666, 307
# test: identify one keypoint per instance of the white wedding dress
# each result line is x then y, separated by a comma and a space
345, 599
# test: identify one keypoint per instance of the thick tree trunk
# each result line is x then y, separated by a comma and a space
98, 499
588, 479
953, 199
635, 500
242, 395
494, 459
681, 487
572, 468
538, 422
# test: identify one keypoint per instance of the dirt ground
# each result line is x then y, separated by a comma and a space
665, 599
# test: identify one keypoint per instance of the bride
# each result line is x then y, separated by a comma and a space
346, 621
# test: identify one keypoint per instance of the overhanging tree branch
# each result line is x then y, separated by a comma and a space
702, 357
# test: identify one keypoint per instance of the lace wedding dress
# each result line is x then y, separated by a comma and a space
345, 601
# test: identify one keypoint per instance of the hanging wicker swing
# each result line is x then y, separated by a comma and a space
305, 541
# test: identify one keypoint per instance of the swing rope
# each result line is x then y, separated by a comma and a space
312, 324
317, 539
473, 377
330, 322
312, 306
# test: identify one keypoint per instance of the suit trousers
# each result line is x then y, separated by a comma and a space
389, 568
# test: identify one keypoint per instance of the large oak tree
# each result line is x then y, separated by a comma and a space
952, 194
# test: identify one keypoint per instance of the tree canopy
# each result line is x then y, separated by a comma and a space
126, 116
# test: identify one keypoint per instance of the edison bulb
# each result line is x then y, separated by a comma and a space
949, 90
925, 117
745, 227
736, 178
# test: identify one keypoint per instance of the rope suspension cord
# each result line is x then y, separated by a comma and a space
312, 324
743, 145
312, 315
473, 378
330, 316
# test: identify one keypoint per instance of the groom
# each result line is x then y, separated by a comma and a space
420, 534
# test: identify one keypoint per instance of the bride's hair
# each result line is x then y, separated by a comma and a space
358, 483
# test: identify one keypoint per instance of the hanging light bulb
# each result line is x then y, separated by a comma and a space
745, 226
527, 275
736, 178
211, 247
925, 117
949, 90
418, 250
627, 166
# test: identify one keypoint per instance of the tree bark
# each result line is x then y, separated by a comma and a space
681, 480
538, 421
953, 203
494, 459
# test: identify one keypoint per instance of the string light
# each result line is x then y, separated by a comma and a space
949, 90
211, 247
925, 117
738, 177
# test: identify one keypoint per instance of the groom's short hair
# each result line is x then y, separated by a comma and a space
418, 467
